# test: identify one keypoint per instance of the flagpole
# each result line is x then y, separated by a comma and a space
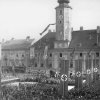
0, 70
64, 83
45, 65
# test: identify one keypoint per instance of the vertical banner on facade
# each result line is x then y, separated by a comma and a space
88, 71
64, 66
45, 52
95, 69
45, 56
56, 62
32, 54
0, 69
78, 73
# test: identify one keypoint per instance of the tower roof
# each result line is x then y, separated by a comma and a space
63, 1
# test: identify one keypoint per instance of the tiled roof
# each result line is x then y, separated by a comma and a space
84, 39
47, 39
17, 44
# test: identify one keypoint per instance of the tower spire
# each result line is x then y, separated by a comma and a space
63, 1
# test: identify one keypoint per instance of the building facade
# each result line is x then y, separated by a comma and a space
15, 55
81, 48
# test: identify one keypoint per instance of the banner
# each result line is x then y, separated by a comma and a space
0, 51
88, 71
78, 73
45, 52
32, 53
64, 67
95, 69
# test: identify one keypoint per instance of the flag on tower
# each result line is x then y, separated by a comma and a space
46, 28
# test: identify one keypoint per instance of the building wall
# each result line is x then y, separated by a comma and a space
55, 55
15, 58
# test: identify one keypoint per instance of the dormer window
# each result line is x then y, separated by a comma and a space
79, 44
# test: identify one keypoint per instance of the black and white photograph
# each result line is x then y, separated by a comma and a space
49, 49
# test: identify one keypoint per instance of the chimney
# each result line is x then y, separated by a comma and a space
54, 30
81, 28
12, 38
98, 29
28, 38
72, 29
49, 31
3, 40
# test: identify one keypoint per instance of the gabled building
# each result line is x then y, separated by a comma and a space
66, 44
15, 54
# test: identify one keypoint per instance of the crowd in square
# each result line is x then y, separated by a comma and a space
48, 90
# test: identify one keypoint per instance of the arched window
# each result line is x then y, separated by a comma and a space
60, 12
35, 64
60, 54
42, 64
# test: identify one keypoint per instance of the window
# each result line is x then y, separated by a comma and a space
60, 12
50, 65
60, 54
35, 64
50, 54
16, 55
71, 74
97, 54
81, 54
90, 36
60, 21
71, 64
79, 44
35, 55
22, 55
42, 65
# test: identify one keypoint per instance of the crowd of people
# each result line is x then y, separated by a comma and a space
30, 92
48, 91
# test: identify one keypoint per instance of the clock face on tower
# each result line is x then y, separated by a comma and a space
60, 17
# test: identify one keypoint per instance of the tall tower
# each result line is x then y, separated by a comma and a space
63, 21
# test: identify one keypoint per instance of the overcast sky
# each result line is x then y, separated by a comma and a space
21, 18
